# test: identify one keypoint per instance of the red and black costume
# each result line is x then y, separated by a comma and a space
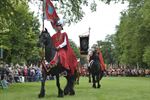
97, 55
65, 52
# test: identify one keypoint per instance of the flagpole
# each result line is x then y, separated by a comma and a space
89, 30
42, 52
89, 34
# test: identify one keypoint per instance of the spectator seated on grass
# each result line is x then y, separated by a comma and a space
3, 82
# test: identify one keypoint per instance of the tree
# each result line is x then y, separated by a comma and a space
19, 32
75, 48
132, 37
146, 55
72, 9
107, 49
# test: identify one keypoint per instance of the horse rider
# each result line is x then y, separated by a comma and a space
103, 66
64, 50
95, 50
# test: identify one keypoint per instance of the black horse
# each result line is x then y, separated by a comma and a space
95, 70
50, 51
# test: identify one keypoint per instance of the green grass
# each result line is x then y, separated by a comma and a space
113, 88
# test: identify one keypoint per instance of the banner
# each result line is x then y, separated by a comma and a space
50, 13
84, 44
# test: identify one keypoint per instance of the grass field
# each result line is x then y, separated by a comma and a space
113, 88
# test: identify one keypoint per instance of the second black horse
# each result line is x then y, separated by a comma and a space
95, 69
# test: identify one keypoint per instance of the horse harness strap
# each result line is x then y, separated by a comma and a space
52, 63
46, 67
90, 63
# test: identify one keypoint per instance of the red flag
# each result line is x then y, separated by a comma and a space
50, 13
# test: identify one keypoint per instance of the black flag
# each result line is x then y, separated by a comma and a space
84, 44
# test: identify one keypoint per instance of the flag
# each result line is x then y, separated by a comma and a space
50, 13
84, 44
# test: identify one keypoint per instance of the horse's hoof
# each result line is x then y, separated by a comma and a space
72, 92
99, 86
66, 92
94, 86
60, 95
41, 95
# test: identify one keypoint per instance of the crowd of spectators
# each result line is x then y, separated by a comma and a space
125, 71
20, 73
120, 71
23, 73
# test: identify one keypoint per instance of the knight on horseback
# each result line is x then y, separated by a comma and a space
96, 65
60, 57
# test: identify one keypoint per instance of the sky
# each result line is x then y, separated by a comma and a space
102, 22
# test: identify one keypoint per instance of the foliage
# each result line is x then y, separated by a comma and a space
132, 35
146, 55
130, 45
75, 48
19, 31
107, 49
72, 10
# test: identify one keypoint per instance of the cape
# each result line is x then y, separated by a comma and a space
103, 67
71, 57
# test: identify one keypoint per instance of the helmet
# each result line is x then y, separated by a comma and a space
60, 22
95, 46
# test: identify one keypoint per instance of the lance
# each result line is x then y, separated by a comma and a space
42, 51
42, 14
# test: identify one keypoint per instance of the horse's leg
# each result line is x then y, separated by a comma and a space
60, 91
93, 79
89, 75
100, 77
69, 89
71, 86
78, 78
66, 90
101, 74
42, 92
98, 80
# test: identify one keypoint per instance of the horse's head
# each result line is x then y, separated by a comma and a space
45, 41
44, 38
